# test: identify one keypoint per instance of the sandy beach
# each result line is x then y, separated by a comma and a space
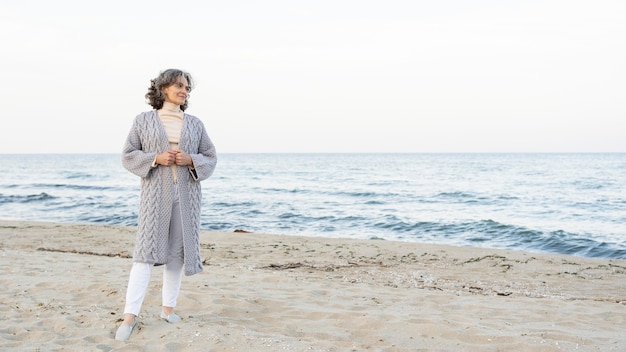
63, 288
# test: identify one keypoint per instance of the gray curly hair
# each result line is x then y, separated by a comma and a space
155, 96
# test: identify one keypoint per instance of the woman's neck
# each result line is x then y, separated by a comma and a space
170, 107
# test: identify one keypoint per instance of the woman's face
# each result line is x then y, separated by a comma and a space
178, 92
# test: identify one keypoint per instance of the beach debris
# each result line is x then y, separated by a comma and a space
298, 265
74, 251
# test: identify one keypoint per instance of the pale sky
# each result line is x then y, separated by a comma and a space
321, 76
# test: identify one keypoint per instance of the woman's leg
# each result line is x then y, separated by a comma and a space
137, 285
138, 281
172, 277
173, 272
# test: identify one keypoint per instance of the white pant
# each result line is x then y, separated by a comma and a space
172, 274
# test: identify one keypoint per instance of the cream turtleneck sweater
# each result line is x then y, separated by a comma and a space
172, 119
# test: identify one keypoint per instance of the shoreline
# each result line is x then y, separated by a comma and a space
65, 285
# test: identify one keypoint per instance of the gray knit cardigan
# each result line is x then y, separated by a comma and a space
146, 139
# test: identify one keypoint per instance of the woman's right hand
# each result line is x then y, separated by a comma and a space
167, 158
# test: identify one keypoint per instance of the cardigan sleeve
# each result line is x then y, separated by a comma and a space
205, 160
134, 158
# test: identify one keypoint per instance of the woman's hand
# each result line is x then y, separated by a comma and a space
167, 158
183, 159
171, 157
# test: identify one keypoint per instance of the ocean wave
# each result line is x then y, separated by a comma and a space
509, 237
463, 197
456, 195
363, 194
234, 204
520, 202
109, 219
72, 186
30, 198
283, 190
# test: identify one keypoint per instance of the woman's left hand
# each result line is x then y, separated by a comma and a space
183, 159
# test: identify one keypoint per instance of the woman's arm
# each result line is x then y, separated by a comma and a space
203, 162
134, 159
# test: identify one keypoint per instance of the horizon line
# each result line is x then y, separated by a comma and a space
353, 152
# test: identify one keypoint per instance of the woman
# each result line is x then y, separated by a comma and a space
171, 152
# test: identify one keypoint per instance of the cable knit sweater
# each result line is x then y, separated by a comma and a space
146, 139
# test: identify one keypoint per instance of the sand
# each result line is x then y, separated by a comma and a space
63, 288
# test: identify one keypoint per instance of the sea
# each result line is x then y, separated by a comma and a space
542, 202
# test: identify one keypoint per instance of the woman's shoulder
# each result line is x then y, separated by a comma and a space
193, 119
145, 114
